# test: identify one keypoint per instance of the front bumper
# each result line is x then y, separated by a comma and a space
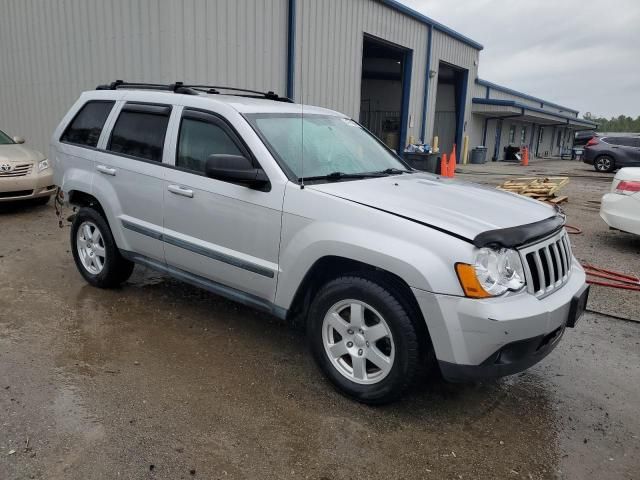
494, 337
621, 212
30, 186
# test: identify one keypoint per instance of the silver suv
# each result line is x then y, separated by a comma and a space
301, 212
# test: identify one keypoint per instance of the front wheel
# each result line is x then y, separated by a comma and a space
604, 164
95, 251
363, 340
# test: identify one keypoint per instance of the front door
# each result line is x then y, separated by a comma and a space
225, 232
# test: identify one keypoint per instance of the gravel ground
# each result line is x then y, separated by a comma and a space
160, 380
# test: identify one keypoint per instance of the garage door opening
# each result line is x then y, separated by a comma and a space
386, 74
450, 99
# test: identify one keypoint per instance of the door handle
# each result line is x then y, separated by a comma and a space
106, 170
179, 190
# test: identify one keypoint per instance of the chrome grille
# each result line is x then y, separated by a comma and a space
547, 264
18, 171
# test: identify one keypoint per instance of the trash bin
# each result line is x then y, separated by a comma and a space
479, 154
427, 162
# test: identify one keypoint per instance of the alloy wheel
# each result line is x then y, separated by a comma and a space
91, 248
358, 342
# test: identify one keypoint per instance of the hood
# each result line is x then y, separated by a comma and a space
461, 208
18, 154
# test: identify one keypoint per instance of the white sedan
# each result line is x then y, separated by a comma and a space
620, 208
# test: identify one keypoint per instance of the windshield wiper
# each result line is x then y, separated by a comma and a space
393, 171
341, 175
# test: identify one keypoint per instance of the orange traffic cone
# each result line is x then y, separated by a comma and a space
444, 166
525, 156
452, 162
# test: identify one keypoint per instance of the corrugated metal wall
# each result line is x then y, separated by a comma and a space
51, 51
329, 36
454, 52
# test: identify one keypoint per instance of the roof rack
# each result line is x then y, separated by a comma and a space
186, 89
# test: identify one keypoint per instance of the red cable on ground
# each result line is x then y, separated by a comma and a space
573, 230
619, 280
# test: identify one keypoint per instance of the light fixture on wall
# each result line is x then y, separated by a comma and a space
432, 73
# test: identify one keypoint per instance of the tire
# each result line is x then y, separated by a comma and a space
604, 164
348, 304
96, 255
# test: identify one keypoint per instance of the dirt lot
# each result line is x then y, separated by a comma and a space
161, 380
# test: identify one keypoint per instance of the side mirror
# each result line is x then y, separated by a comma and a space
235, 169
18, 139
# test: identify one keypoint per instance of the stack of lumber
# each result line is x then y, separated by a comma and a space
540, 188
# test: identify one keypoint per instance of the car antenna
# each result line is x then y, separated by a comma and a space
301, 104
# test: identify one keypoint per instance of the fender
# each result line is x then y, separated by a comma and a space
406, 259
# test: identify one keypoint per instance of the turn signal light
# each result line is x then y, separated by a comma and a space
469, 281
628, 187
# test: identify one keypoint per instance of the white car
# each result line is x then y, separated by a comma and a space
620, 208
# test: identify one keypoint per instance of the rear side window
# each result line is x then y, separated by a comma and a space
86, 126
198, 139
140, 131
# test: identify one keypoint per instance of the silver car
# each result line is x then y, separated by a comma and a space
299, 211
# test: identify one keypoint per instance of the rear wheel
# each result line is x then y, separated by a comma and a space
604, 163
95, 252
363, 339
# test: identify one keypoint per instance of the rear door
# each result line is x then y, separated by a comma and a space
225, 232
631, 147
130, 173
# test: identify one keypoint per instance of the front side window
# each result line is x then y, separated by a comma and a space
512, 134
5, 139
140, 131
198, 139
319, 145
86, 126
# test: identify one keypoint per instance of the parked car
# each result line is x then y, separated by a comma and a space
393, 271
579, 141
609, 153
620, 209
24, 172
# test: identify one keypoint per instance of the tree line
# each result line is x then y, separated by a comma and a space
621, 123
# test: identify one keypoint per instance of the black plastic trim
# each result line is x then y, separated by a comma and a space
521, 235
221, 257
209, 285
511, 358
142, 107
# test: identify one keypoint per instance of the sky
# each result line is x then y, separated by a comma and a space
581, 54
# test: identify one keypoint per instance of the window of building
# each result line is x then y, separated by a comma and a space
86, 126
523, 135
140, 130
559, 140
512, 134
198, 139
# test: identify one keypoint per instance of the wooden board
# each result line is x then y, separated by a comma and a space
540, 188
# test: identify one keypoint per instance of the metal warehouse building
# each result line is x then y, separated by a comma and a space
403, 75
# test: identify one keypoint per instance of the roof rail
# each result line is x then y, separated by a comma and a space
180, 87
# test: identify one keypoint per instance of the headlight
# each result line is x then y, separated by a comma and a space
43, 165
493, 273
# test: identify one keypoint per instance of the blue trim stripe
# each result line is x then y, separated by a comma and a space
513, 103
500, 88
406, 95
207, 252
429, 21
427, 80
291, 49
